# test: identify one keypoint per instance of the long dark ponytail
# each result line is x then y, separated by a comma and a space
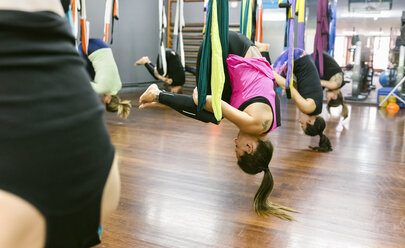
317, 129
256, 163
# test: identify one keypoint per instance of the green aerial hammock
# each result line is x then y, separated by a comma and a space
216, 43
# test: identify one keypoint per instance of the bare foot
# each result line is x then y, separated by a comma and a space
142, 61
150, 95
152, 105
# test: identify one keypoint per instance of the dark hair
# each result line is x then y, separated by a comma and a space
116, 105
337, 102
256, 163
317, 129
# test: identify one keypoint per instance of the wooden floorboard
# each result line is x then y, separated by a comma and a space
181, 186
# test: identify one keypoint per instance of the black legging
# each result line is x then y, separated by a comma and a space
184, 104
151, 69
191, 70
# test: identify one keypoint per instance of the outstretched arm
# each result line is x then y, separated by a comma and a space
242, 120
160, 77
334, 82
152, 69
306, 106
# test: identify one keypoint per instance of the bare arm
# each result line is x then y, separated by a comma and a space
161, 78
242, 120
334, 82
306, 106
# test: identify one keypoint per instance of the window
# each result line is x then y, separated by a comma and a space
340, 50
381, 52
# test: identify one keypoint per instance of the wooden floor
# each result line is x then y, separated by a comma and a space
181, 186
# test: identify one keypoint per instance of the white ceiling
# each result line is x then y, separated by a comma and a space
369, 23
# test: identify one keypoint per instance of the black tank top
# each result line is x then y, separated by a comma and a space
309, 84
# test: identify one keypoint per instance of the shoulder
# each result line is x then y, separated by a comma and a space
261, 117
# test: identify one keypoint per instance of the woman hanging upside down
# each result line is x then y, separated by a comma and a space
175, 77
332, 80
104, 74
307, 94
253, 107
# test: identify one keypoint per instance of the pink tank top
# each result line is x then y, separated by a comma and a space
252, 77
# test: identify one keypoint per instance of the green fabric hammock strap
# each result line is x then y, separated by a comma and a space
213, 55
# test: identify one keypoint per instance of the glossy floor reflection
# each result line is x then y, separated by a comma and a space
181, 186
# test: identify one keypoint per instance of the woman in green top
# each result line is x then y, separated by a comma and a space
104, 75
